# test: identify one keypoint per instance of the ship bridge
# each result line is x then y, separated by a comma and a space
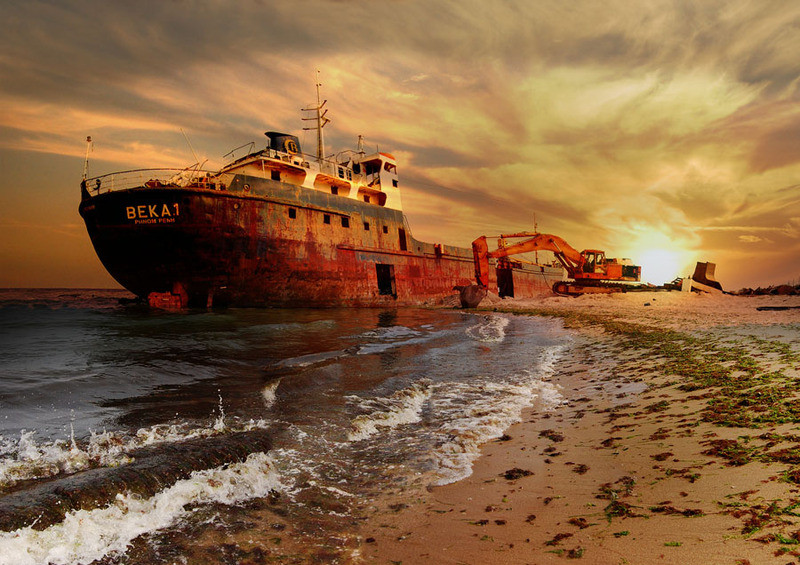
369, 178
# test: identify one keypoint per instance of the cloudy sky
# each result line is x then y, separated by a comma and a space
665, 131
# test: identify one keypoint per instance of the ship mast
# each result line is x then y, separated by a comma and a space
321, 121
86, 161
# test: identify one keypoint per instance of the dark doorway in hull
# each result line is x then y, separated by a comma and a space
386, 282
505, 282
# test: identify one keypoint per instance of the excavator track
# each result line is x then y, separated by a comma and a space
574, 288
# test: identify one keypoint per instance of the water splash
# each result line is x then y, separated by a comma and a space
219, 423
270, 393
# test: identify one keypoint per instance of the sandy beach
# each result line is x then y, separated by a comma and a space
678, 443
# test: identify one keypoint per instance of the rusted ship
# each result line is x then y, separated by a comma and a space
277, 227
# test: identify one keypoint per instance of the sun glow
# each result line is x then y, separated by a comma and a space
659, 265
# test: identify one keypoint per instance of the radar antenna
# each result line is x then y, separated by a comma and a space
321, 121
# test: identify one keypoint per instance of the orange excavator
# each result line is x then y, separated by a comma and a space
590, 270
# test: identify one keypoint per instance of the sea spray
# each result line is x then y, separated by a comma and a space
269, 393
219, 423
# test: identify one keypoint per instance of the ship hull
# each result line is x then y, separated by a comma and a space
268, 243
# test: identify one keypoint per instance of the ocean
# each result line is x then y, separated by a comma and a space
242, 436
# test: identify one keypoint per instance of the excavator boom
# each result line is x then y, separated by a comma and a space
590, 269
568, 256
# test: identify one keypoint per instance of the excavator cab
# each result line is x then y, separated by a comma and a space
594, 261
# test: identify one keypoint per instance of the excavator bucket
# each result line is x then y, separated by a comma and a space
703, 278
470, 295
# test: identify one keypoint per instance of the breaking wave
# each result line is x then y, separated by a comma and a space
459, 416
474, 413
85, 536
26, 458
402, 407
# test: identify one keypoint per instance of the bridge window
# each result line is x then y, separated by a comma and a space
276, 175
326, 218
345, 222
292, 213
366, 226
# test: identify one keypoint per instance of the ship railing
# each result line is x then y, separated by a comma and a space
330, 167
248, 150
147, 178
235, 154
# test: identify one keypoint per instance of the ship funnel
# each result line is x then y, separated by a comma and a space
283, 142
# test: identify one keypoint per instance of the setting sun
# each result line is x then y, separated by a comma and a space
659, 265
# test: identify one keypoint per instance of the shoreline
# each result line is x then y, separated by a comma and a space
678, 444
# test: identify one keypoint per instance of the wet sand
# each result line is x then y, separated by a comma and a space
679, 444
